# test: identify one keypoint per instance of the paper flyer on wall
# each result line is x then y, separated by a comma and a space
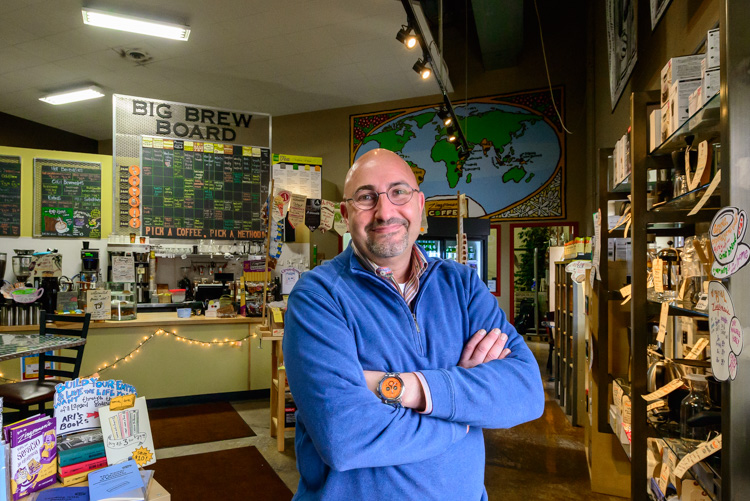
127, 433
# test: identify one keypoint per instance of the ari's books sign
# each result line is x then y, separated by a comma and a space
76, 402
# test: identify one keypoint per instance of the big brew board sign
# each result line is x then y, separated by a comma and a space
10, 196
68, 198
197, 189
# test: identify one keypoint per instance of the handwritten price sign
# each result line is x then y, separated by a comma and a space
577, 270
726, 332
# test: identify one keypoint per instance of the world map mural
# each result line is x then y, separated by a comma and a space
516, 169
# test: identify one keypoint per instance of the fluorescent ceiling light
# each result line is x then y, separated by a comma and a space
71, 96
135, 25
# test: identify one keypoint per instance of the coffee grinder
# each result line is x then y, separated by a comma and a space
90, 266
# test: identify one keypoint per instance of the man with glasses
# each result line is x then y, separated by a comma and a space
397, 361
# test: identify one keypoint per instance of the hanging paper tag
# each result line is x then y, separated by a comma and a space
663, 318
327, 212
707, 194
339, 224
664, 390
655, 405
312, 213
700, 453
297, 210
657, 265
700, 345
701, 167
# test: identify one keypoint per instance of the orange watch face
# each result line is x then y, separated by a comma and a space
391, 388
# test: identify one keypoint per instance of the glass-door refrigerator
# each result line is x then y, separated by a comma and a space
440, 241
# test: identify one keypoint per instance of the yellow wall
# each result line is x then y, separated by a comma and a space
27, 182
169, 368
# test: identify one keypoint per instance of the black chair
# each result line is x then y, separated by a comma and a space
25, 394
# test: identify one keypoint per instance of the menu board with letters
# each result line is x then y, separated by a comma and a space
193, 189
68, 198
10, 196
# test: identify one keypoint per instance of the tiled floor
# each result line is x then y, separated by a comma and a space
541, 460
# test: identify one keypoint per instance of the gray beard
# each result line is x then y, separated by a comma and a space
388, 249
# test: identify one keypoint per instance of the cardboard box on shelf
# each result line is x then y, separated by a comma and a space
711, 84
679, 101
654, 130
666, 122
696, 101
676, 69
713, 45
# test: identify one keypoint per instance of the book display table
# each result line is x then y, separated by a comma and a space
155, 491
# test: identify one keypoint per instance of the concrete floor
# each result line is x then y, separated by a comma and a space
541, 460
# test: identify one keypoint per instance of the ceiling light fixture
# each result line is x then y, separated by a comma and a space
452, 134
134, 24
74, 95
406, 37
445, 116
421, 67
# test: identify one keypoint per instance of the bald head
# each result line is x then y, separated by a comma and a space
378, 160
386, 232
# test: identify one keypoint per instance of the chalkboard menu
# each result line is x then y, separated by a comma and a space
10, 196
191, 189
68, 198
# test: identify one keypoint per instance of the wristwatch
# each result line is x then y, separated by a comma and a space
391, 389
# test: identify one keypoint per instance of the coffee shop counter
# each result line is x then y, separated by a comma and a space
166, 366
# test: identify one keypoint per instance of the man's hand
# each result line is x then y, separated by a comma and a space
483, 347
413, 397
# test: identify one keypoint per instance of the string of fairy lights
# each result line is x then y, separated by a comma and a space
158, 332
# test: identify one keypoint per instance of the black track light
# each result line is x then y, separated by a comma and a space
452, 134
406, 37
445, 116
421, 67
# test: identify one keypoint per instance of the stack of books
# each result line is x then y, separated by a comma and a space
80, 454
33, 455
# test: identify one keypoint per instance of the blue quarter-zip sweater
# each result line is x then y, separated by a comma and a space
343, 319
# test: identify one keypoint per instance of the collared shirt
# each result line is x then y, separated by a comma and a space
409, 292
411, 287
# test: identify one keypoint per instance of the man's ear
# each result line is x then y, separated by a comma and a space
344, 213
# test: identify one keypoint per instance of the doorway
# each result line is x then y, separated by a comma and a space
530, 272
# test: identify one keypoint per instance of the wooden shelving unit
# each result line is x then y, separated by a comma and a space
279, 387
568, 357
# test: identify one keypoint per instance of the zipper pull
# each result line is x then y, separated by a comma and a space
414, 316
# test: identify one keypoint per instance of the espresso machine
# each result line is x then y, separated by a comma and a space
21, 262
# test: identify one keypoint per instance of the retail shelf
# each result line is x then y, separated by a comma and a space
678, 309
704, 124
684, 203
615, 425
706, 472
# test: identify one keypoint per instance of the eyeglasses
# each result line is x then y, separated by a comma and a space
368, 199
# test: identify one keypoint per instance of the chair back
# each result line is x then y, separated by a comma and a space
71, 357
